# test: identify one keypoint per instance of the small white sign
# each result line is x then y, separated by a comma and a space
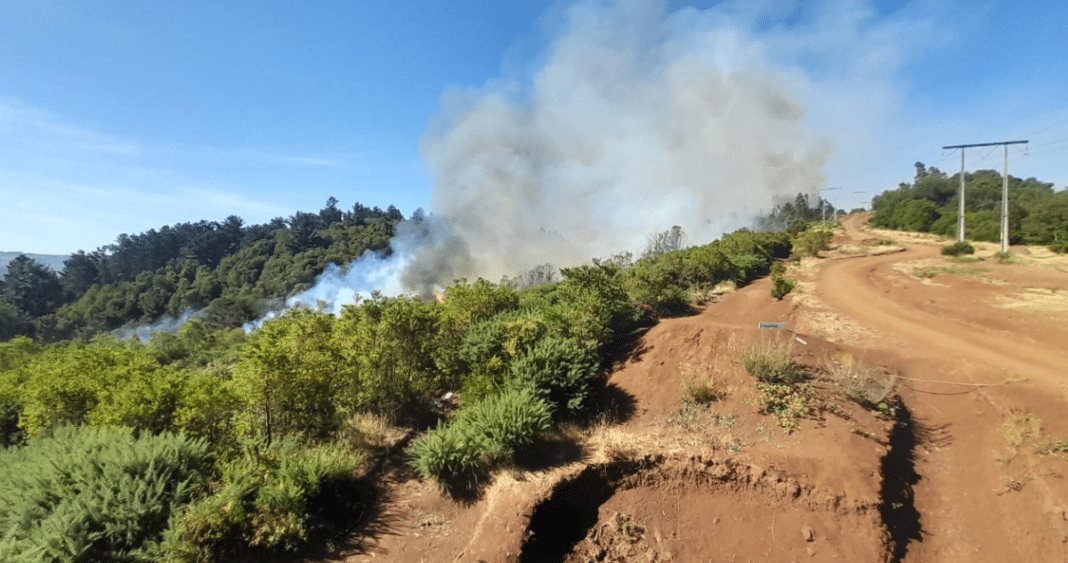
772, 325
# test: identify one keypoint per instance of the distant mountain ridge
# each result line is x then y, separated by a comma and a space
54, 261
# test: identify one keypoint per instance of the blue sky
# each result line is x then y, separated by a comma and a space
119, 116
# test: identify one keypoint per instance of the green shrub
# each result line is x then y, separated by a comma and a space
591, 305
658, 284
94, 494
481, 435
1003, 257
812, 241
485, 354
507, 422
780, 287
445, 452
772, 362
270, 499
559, 371
958, 248
665, 283
390, 351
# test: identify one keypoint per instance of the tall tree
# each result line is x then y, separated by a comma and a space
31, 286
80, 272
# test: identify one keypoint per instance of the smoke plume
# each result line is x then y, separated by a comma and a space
634, 119
637, 120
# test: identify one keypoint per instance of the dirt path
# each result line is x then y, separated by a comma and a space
984, 492
869, 291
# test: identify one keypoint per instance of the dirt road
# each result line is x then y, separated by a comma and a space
986, 385
946, 321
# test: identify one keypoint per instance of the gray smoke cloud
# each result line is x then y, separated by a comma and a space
635, 121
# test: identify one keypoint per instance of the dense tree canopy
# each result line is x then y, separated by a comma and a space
231, 271
1037, 214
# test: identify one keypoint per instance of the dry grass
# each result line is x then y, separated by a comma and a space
699, 384
697, 429
369, 432
1024, 427
614, 443
862, 382
927, 272
1039, 299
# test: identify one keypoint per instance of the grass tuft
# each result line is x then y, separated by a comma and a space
958, 248
772, 362
699, 388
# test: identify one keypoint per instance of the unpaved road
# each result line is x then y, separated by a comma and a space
987, 386
870, 292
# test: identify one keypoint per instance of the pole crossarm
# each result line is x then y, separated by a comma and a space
985, 144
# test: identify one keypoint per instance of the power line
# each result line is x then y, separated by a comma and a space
1004, 190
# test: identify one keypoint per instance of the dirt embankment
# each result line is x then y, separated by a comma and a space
968, 465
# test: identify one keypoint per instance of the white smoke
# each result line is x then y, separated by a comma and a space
419, 251
637, 121
144, 332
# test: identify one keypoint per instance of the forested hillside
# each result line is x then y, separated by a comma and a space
228, 270
1037, 213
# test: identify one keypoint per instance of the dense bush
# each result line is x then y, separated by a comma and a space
663, 283
105, 382
269, 499
94, 494
958, 248
111, 383
591, 305
559, 371
485, 355
481, 435
291, 372
812, 241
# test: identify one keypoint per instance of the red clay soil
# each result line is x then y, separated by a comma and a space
969, 466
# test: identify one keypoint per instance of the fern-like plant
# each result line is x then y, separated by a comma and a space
94, 494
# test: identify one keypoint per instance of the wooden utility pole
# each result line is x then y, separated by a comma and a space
1004, 191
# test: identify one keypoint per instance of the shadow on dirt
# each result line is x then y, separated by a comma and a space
561, 521
627, 348
898, 509
611, 405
